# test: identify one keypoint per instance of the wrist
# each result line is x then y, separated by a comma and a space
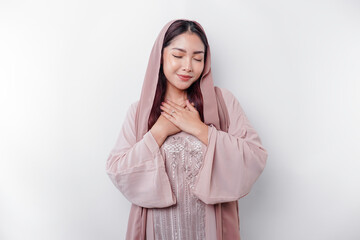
158, 135
202, 133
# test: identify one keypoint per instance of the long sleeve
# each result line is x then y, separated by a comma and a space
233, 160
137, 169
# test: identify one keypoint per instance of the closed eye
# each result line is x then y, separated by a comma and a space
199, 60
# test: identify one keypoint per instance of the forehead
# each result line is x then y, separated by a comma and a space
188, 41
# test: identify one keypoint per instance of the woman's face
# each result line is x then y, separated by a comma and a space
184, 56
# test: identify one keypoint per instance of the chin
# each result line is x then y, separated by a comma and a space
184, 86
181, 85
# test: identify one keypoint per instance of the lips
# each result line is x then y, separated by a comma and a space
184, 77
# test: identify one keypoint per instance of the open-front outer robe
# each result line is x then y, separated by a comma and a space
233, 161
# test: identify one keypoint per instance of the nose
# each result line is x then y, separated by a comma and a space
187, 65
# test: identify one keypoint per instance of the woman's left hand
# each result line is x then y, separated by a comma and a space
187, 119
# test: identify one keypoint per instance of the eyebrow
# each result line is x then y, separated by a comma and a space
182, 50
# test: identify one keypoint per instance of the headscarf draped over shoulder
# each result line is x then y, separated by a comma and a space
215, 113
210, 108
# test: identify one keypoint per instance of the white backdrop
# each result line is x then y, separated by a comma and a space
69, 70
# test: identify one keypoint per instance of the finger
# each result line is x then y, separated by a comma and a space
190, 106
166, 109
183, 105
187, 108
168, 116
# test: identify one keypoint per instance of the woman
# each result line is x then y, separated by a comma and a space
186, 151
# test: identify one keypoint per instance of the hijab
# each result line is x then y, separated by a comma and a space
210, 108
215, 113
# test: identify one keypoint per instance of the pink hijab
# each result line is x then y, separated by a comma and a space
215, 112
150, 82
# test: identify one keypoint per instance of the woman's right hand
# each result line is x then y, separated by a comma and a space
166, 126
163, 128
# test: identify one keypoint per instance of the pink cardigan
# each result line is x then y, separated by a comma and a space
233, 161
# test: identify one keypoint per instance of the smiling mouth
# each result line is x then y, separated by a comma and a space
184, 78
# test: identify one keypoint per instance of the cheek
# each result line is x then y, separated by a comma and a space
171, 65
174, 64
199, 69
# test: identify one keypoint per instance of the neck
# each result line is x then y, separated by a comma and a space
176, 95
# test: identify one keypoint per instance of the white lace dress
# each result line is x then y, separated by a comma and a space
189, 218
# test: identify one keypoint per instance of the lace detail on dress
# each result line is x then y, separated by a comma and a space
186, 219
